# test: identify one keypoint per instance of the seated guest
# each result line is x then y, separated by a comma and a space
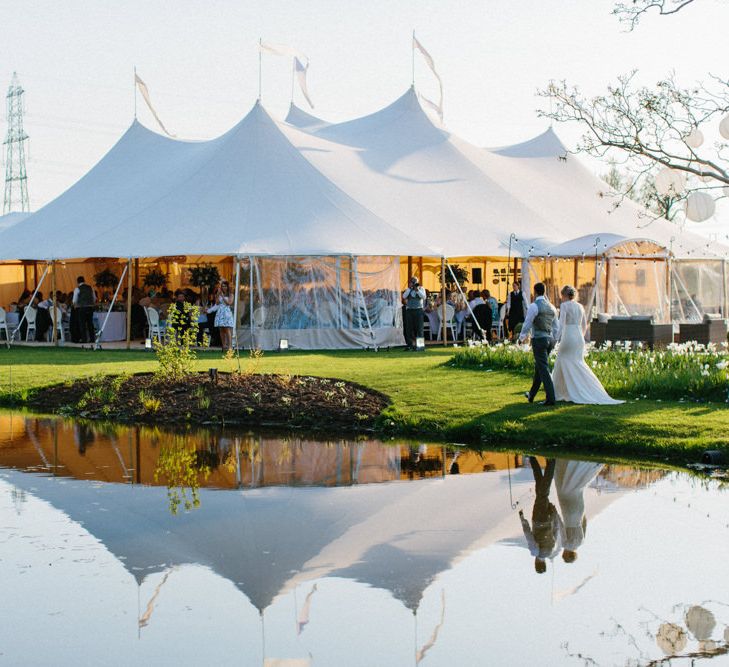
493, 304
476, 300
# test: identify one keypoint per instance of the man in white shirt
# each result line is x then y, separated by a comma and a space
541, 320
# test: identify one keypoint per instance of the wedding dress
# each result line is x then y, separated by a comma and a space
572, 377
570, 479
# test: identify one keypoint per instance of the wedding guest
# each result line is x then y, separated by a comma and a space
83, 303
222, 304
516, 307
414, 299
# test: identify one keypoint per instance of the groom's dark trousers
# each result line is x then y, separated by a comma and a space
541, 347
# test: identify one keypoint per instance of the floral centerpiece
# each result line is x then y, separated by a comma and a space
205, 277
155, 278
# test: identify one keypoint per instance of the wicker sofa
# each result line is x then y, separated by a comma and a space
636, 329
711, 330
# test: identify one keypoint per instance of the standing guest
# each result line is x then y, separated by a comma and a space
414, 298
222, 302
43, 320
516, 307
83, 307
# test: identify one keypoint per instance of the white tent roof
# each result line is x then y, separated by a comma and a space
249, 192
468, 200
390, 183
10, 219
408, 170
546, 177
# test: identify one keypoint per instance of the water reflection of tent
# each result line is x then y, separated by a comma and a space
397, 536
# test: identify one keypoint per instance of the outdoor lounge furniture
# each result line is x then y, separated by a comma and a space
711, 330
635, 329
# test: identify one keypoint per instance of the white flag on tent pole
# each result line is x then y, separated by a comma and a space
301, 71
429, 61
145, 94
281, 50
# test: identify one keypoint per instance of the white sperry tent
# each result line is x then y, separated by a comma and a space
319, 224
533, 199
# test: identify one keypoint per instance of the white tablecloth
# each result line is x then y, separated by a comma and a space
12, 319
116, 326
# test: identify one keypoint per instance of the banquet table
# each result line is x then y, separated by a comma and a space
116, 327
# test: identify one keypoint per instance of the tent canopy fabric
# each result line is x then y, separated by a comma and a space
247, 192
394, 183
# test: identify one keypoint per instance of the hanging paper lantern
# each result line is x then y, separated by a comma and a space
671, 638
700, 622
670, 181
724, 127
694, 138
700, 206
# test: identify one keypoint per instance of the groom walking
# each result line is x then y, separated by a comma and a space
541, 320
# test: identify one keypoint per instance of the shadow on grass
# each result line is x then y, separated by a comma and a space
665, 431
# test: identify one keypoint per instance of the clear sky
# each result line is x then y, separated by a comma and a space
199, 59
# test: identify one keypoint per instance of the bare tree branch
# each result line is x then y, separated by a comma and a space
630, 13
650, 129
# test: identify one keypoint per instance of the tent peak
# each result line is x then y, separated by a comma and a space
546, 144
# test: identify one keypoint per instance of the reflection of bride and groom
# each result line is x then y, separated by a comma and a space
551, 532
572, 379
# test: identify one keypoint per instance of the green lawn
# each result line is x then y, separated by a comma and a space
434, 401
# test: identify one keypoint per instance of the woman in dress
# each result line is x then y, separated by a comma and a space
572, 377
223, 301
571, 478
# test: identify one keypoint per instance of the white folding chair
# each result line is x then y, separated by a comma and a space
450, 322
30, 314
156, 328
56, 321
4, 324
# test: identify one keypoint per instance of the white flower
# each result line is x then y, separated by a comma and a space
722, 365
705, 373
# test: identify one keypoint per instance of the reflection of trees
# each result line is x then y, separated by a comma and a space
688, 638
180, 467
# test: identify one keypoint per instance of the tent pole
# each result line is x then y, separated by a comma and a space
410, 268
468, 305
32, 298
443, 324
100, 333
54, 304
236, 298
129, 304
250, 298
723, 290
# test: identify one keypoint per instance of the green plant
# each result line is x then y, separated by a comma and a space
176, 354
460, 273
149, 403
204, 276
106, 279
155, 278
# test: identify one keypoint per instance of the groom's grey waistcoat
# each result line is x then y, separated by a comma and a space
542, 326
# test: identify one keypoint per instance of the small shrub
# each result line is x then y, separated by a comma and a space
149, 403
176, 354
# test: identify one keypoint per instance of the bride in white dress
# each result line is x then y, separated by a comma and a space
572, 377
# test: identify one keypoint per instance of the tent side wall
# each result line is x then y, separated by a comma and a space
326, 302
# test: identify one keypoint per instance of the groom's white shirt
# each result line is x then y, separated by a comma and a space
531, 313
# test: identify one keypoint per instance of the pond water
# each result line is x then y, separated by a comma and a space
128, 546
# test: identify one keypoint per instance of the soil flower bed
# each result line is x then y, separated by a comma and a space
251, 399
